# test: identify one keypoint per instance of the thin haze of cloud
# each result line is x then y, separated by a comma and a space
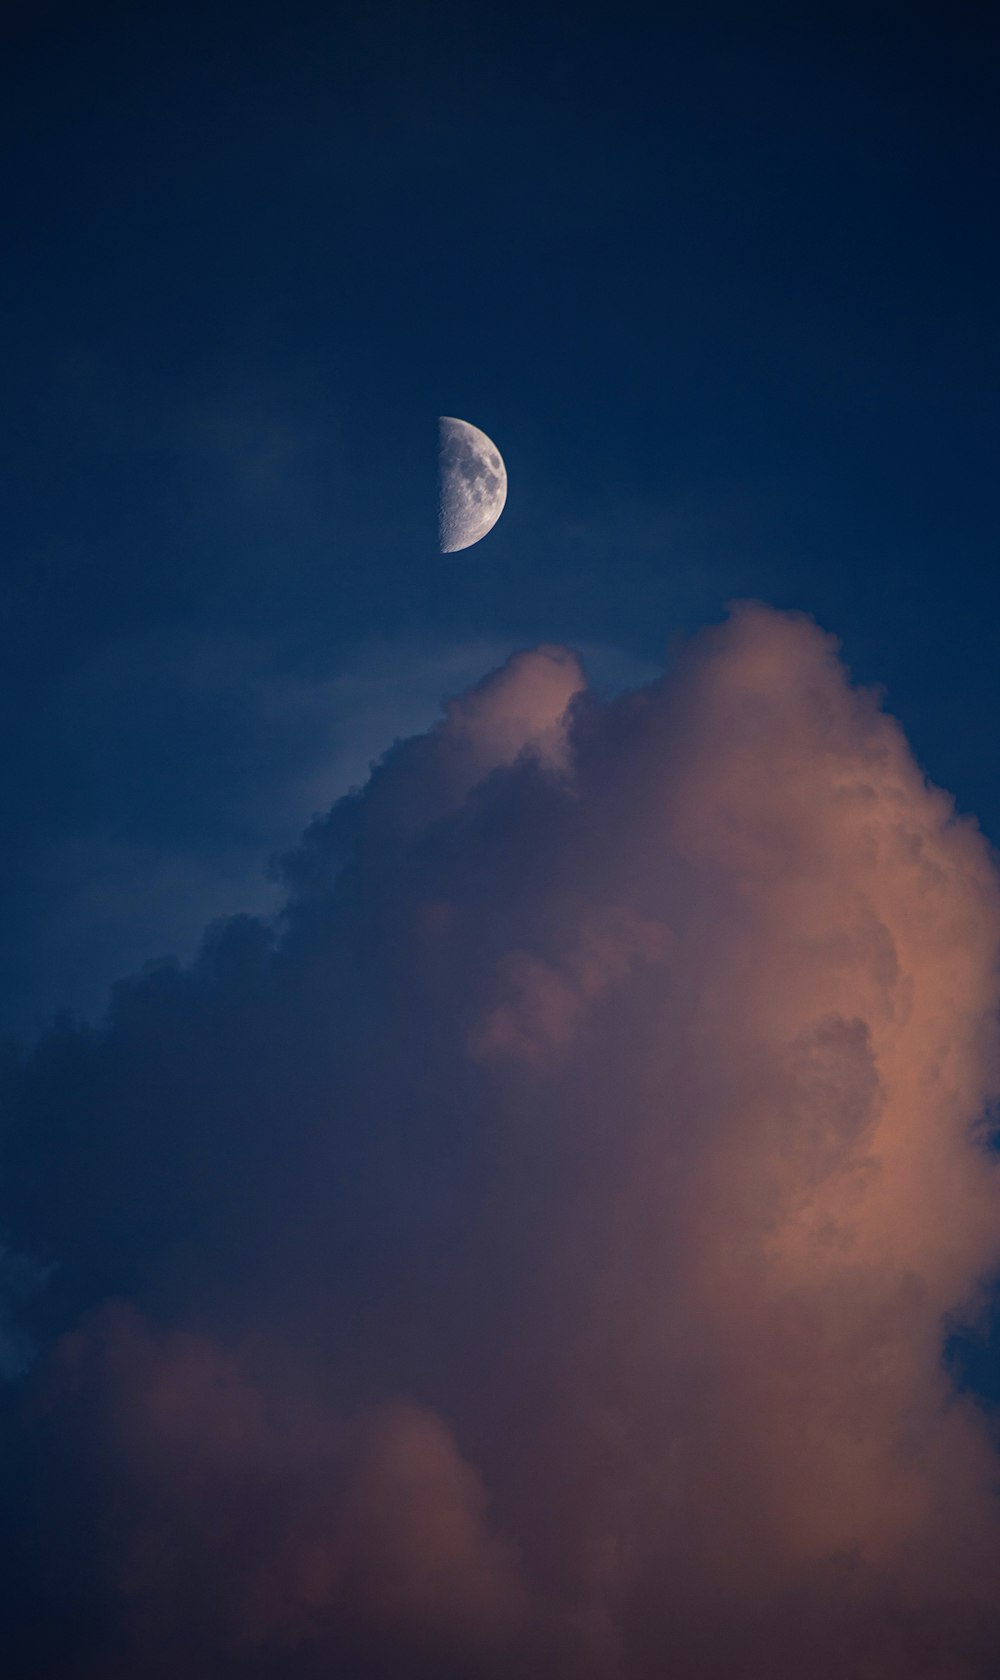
539, 1258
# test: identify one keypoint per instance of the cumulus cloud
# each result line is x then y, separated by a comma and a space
244, 1518
538, 1257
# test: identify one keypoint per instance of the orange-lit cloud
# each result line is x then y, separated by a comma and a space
589, 1320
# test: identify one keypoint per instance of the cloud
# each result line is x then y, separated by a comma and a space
234, 746
246, 1519
537, 1253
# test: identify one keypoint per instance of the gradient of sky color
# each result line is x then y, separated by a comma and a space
720, 283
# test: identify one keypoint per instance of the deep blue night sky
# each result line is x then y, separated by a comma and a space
721, 284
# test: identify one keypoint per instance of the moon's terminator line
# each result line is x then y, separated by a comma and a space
472, 484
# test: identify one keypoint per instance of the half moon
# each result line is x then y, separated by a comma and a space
472, 484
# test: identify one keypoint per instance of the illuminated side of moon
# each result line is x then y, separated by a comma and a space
472, 484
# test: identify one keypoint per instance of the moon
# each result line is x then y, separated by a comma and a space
472, 484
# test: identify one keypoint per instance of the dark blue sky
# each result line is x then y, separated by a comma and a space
720, 281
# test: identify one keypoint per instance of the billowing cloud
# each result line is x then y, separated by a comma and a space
537, 1256
243, 1517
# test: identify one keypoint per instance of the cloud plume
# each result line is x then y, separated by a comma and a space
536, 1256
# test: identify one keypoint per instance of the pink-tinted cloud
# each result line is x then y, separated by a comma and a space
523, 707
672, 1024
246, 1518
